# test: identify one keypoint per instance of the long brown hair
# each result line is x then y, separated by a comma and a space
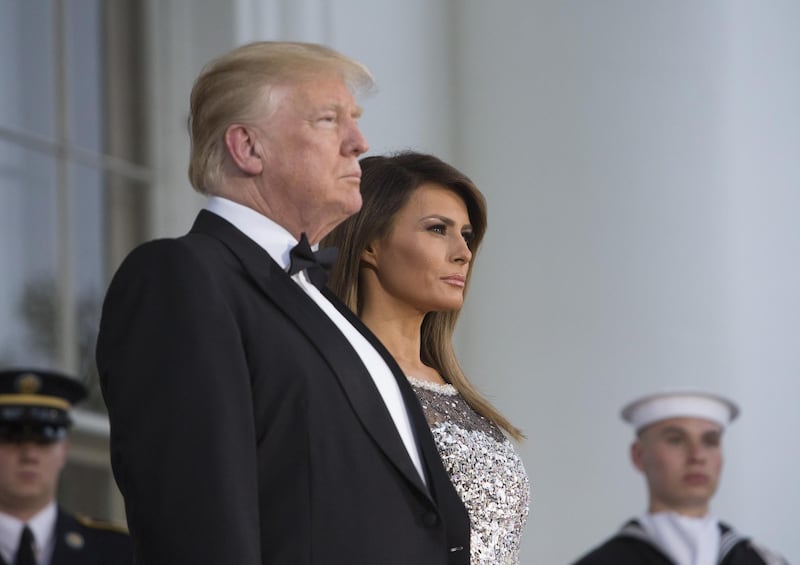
387, 182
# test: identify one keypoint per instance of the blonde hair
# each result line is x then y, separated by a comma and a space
231, 88
387, 182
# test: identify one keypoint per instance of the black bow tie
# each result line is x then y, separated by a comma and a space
316, 263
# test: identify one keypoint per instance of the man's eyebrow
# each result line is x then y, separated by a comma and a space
672, 430
357, 111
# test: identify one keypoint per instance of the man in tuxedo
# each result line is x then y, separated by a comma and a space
34, 529
254, 419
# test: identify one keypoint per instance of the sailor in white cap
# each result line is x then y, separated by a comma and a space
678, 448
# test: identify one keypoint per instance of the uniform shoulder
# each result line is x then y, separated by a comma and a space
604, 554
737, 546
100, 525
767, 555
80, 539
624, 547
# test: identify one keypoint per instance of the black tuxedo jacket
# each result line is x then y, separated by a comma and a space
84, 542
244, 428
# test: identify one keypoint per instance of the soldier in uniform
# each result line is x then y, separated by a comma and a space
678, 448
34, 529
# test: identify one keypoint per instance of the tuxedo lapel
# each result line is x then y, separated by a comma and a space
323, 334
418, 421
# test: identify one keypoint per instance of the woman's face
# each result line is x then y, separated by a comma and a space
423, 261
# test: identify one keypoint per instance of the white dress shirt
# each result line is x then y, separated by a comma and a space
278, 242
43, 527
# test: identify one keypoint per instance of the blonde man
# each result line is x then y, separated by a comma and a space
254, 420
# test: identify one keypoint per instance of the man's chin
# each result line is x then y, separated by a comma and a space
352, 206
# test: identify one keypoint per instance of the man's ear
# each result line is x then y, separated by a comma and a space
244, 149
636, 455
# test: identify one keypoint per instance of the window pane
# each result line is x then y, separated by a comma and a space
125, 85
84, 58
106, 213
28, 253
27, 51
88, 271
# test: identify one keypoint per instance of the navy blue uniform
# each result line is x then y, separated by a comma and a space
632, 546
84, 542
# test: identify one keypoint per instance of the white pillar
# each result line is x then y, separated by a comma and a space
762, 209
640, 162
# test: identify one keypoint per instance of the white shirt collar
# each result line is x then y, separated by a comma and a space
271, 236
42, 525
687, 540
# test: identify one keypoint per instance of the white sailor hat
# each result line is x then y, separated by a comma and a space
679, 404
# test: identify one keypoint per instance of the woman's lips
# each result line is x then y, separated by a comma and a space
455, 280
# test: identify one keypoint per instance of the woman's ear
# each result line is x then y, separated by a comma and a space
370, 254
244, 149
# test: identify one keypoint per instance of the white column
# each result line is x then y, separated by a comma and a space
640, 162
762, 210
288, 20
185, 36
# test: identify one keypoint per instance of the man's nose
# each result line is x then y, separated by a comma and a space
356, 144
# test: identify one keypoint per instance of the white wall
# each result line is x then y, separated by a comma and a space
640, 162
185, 35
762, 175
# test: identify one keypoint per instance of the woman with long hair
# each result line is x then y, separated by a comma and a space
404, 266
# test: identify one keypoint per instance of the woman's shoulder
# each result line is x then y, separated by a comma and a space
439, 388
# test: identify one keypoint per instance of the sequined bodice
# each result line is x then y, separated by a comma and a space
486, 471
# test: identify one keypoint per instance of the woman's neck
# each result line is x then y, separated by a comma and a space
401, 335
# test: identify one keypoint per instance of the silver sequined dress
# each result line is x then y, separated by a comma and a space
486, 471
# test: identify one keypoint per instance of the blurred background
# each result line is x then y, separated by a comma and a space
641, 161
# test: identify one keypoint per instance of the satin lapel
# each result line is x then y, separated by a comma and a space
430, 455
323, 334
